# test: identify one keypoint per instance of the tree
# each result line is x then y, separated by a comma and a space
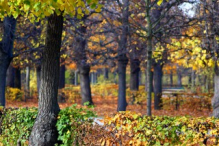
6, 54
122, 58
44, 131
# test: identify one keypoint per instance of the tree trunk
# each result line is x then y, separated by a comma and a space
149, 57
44, 132
193, 80
10, 76
115, 79
95, 77
92, 78
62, 77
146, 80
106, 73
158, 74
6, 53
179, 78
140, 77
4, 63
76, 78
152, 81
171, 78
134, 75
17, 80
122, 103
38, 70
215, 99
122, 58
27, 85
85, 84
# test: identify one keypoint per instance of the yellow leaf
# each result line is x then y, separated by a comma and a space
159, 2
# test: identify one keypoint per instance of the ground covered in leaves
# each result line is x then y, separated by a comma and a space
108, 106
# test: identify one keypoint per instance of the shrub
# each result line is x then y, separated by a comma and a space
14, 94
134, 129
16, 125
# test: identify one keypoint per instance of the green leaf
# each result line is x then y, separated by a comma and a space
93, 6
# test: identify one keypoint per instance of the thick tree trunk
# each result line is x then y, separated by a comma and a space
4, 63
6, 53
122, 58
134, 75
84, 71
38, 70
17, 79
215, 99
122, 103
10, 76
44, 132
62, 77
106, 73
158, 74
82, 63
27, 85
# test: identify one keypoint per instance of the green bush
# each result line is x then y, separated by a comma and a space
69, 124
16, 124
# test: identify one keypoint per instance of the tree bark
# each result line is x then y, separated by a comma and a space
139, 77
106, 73
215, 99
62, 77
10, 76
193, 80
17, 80
122, 103
179, 78
84, 70
146, 80
76, 78
92, 78
134, 75
82, 62
115, 79
44, 132
27, 85
6, 53
38, 70
158, 74
171, 78
149, 57
122, 58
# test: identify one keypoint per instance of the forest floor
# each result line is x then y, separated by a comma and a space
108, 107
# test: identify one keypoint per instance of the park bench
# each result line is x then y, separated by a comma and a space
180, 92
173, 93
